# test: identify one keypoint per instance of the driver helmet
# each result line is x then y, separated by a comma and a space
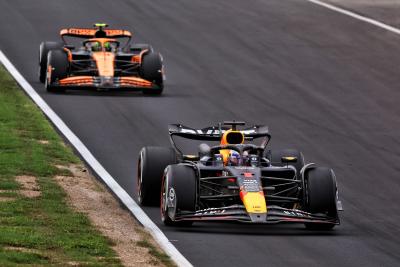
107, 46
96, 46
234, 158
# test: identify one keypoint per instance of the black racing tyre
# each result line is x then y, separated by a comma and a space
151, 164
44, 49
275, 157
178, 193
321, 195
151, 69
57, 61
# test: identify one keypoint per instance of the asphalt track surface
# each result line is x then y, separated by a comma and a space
325, 83
387, 11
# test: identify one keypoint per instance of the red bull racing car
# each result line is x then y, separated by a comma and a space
236, 180
100, 62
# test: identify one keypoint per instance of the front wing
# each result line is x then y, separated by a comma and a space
275, 214
123, 82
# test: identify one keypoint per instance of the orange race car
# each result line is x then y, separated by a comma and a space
101, 62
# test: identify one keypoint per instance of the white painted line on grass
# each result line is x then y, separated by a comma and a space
157, 234
357, 16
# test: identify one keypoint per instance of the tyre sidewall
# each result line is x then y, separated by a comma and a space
180, 192
152, 70
321, 191
151, 165
44, 49
57, 61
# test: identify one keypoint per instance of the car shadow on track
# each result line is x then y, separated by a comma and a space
169, 92
133, 94
267, 230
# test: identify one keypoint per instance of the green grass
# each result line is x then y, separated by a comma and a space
42, 231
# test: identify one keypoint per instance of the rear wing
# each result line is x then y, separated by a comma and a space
98, 31
215, 133
95, 33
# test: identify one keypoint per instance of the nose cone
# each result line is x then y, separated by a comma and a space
255, 205
104, 63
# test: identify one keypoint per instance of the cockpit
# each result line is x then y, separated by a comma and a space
101, 45
231, 152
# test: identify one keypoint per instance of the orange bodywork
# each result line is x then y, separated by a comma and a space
89, 81
68, 53
78, 80
104, 60
105, 63
138, 58
134, 81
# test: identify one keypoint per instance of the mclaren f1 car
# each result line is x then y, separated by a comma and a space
105, 59
235, 180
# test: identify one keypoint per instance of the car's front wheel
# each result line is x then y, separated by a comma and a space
151, 69
57, 69
178, 193
321, 195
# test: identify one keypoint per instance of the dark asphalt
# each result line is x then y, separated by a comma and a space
386, 11
325, 83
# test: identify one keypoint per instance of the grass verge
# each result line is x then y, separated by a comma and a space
40, 230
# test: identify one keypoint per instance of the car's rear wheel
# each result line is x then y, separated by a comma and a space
178, 194
321, 195
151, 164
275, 157
44, 49
151, 69
57, 69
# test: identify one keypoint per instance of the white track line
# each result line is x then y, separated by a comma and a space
356, 16
141, 216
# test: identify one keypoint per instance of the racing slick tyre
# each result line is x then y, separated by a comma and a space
151, 69
275, 157
178, 193
321, 195
44, 49
151, 165
57, 68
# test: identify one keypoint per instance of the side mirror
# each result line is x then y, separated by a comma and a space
289, 159
191, 157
